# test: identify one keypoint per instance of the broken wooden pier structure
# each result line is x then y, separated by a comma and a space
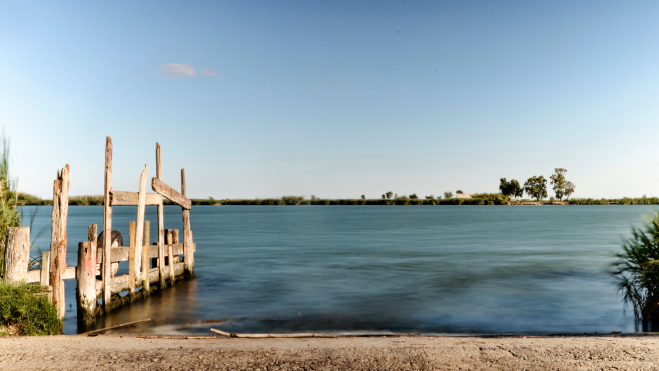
150, 266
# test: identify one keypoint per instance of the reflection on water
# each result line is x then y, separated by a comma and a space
422, 269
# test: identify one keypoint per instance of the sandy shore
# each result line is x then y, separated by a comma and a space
128, 352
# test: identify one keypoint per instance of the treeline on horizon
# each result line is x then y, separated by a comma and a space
24, 199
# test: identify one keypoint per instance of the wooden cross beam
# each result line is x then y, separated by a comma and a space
126, 198
170, 193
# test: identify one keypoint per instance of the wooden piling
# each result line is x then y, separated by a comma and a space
107, 226
58, 240
170, 256
86, 290
188, 257
161, 225
175, 241
139, 231
145, 260
45, 269
17, 253
132, 274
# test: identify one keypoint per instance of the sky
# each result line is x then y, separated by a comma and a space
332, 98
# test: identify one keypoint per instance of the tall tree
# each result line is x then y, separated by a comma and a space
504, 187
515, 188
510, 189
569, 189
448, 195
459, 192
558, 182
536, 187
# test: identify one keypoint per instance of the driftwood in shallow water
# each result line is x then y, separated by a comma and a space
302, 335
114, 327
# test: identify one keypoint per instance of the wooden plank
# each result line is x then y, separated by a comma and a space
120, 283
86, 289
170, 257
45, 268
131, 259
161, 225
120, 254
188, 256
175, 241
170, 193
139, 231
37, 274
33, 276
107, 226
69, 273
17, 254
126, 198
145, 259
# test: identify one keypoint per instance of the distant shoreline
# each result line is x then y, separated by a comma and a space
98, 201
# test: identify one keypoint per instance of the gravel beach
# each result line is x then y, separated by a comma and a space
130, 352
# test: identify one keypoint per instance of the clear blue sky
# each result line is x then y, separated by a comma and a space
333, 98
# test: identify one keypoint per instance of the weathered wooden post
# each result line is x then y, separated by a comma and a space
175, 241
146, 288
188, 257
86, 272
170, 257
45, 268
161, 225
58, 239
17, 253
107, 227
139, 231
132, 274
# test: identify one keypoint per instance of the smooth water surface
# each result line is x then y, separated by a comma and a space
352, 269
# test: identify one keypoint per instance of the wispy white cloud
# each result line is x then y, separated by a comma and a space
178, 70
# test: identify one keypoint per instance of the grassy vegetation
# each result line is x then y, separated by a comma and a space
23, 313
477, 199
637, 272
8, 197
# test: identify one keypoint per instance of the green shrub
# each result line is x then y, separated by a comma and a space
292, 200
25, 199
496, 198
29, 314
637, 272
86, 200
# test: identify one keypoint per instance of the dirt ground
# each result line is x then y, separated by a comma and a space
128, 352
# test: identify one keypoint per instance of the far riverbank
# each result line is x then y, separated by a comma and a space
96, 200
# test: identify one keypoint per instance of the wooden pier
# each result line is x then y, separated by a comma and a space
150, 266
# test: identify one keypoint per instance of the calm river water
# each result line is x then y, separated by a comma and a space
356, 269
